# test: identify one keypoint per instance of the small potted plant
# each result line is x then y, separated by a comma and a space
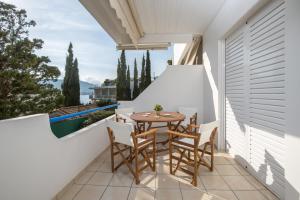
157, 109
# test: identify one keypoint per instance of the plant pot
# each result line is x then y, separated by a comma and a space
157, 113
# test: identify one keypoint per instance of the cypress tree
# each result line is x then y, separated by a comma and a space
135, 81
66, 83
128, 90
71, 84
75, 84
148, 70
142, 84
119, 92
123, 68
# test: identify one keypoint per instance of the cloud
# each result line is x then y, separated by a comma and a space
62, 21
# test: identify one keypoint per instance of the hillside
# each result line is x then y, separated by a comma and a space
84, 86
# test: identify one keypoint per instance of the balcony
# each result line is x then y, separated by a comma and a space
248, 79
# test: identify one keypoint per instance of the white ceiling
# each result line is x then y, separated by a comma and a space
176, 16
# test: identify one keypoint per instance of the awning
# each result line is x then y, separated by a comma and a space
125, 12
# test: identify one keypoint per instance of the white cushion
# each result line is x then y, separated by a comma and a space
126, 116
188, 112
122, 132
205, 131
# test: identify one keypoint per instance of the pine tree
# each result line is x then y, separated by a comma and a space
135, 81
148, 70
25, 75
123, 68
142, 84
128, 90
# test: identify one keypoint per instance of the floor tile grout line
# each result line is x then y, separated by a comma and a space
130, 188
82, 186
105, 188
78, 192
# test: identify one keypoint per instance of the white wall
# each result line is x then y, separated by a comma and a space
178, 50
178, 85
37, 165
292, 139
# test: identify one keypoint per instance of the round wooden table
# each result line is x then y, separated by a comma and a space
151, 117
173, 120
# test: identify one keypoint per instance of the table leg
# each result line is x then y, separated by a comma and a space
149, 126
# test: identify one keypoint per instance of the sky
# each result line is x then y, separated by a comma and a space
60, 22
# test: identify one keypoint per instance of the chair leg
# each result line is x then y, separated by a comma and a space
212, 157
137, 178
170, 156
112, 158
194, 181
154, 156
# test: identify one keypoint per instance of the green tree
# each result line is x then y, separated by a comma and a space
75, 84
24, 76
122, 77
142, 84
135, 81
119, 92
128, 80
68, 71
71, 85
147, 70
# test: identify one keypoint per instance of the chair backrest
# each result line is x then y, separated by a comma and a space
188, 112
121, 131
124, 111
206, 131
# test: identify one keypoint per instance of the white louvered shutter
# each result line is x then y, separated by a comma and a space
263, 113
267, 95
236, 90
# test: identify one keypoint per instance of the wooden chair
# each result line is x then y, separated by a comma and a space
190, 118
193, 142
123, 134
123, 114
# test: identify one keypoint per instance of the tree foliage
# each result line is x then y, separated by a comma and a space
147, 70
142, 84
135, 81
71, 84
24, 76
121, 79
128, 80
119, 91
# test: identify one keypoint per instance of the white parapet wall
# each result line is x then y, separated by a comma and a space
35, 164
178, 85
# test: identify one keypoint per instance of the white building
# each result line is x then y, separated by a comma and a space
249, 81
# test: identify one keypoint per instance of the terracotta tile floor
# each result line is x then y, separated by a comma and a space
227, 181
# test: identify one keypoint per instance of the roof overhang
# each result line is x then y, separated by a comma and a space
152, 24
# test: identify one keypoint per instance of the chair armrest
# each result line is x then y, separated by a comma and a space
194, 126
144, 134
192, 136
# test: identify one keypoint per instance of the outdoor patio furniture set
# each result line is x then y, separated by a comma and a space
134, 138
